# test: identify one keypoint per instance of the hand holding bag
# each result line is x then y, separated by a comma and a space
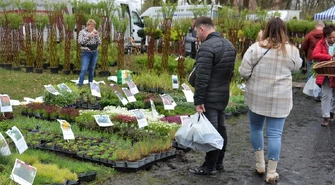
199, 134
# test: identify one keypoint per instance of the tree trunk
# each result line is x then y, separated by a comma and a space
246, 4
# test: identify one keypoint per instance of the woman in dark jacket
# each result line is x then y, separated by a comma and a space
324, 51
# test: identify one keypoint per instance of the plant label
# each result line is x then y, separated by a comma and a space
121, 98
5, 103
189, 96
51, 89
4, 148
185, 119
17, 137
133, 88
95, 89
141, 120
129, 95
175, 83
66, 129
123, 76
153, 108
168, 102
63, 86
23, 173
103, 120
15, 102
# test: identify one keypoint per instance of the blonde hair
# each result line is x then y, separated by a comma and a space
91, 21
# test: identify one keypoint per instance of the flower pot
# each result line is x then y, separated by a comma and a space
46, 66
24, 113
163, 155
104, 73
60, 67
147, 160
76, 71
66, 72
8, 66
141, 162
29, 69
152, 157
54, 70
121, 164
158, 156
17, 68
39, 71
37, 114
135, 164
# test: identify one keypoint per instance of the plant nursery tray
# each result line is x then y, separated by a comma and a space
144, 167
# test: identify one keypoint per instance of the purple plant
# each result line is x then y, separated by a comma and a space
172, 119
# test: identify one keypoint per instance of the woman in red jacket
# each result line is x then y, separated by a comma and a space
324, 51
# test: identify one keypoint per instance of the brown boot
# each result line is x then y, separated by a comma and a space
325, 122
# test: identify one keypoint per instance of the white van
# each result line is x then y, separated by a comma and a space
182, 11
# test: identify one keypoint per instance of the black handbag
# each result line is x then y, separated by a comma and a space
92, 47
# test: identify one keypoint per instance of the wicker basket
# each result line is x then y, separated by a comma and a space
326, 68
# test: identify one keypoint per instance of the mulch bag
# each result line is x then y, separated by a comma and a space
199, 134
311, 88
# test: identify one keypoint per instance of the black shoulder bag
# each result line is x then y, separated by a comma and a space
258, 61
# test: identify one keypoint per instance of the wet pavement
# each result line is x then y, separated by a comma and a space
307, 155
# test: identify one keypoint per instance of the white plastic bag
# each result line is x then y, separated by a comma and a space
311, 88
199, 134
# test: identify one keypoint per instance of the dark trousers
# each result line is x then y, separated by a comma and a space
215, 157
191, 55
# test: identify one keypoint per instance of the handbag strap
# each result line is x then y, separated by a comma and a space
260, 59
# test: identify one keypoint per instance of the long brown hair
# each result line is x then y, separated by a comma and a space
275, 35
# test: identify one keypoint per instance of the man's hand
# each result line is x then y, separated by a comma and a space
200, 108
90, 35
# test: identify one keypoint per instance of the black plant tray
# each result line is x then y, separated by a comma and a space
42, 147
87, 177
108, 164
144, 167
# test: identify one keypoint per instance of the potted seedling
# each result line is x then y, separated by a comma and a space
133, 158
121, 156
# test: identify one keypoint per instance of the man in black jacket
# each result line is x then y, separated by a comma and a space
214, 68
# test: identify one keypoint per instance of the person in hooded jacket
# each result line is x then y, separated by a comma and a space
324, 51
310, 41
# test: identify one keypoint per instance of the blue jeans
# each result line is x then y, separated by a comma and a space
88, 62
309, 65
274, 130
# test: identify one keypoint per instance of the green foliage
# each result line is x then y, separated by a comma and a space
29, 6
151, 26
298, 25
64, 99
182, 26
251, 30
200, 10
168, 10
14, 20
70, 22
142, 61
120, 20
41, 21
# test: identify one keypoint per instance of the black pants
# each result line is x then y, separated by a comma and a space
191, 55
215, 157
